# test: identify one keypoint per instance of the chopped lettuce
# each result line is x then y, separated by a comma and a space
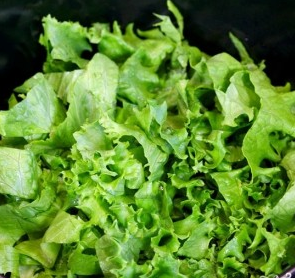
149, 159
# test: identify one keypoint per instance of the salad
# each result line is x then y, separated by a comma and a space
136, 154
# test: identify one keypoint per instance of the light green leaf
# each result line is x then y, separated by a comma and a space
151, 159
115, 47
234, 248
9, 260
18, 173
220, 68
241, 49
288, 162
43, 252
108, 253
81, 263
238, 99
282, 214
62, 83
167, 26
93, 93
92, 139
165, 267
196, 246
277, 250
64, 41
165, 242
271, 118
40, 103
65, 228
155, 157
230, 186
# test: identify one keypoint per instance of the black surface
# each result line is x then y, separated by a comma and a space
289, 273
267, 28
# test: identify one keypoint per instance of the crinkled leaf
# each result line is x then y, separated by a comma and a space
238, 99
271, 118
151, 159
64, 41
93, 92
196, 246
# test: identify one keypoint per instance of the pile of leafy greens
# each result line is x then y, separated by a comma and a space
149, 159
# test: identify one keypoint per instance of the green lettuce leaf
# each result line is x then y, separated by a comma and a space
149, 159
282, 213
64, 42
93, 92
271, 118
65, 228
9, 261
40, 103
18, 173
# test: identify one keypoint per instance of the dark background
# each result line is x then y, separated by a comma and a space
267, 28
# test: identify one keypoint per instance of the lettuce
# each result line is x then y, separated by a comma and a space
148, 159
